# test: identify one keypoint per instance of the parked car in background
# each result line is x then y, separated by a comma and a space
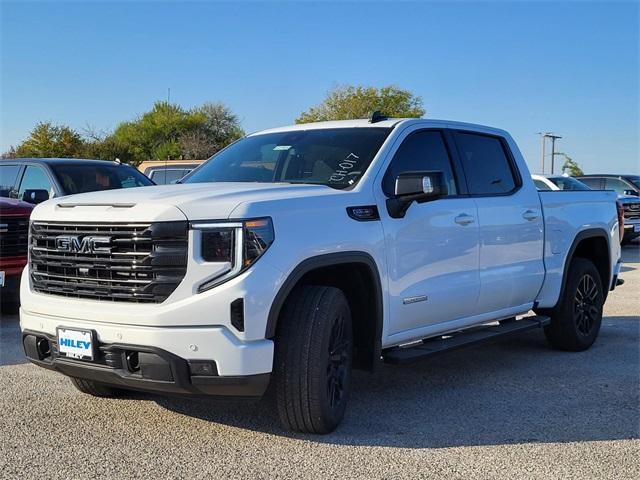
35, 180
14, 233
169, 171
557, 182
628, 189
623, 184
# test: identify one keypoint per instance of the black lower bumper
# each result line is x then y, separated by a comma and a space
143, 368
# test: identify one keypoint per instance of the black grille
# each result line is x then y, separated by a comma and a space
142, 263
632, 211
14, 232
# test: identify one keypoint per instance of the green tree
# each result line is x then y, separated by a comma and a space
170, 132
155, 134
219, 127
570, 166
48, 140
349, 102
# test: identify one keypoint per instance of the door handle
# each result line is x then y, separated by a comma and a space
464, 219
530, 215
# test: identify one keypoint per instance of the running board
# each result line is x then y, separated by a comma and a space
463, 338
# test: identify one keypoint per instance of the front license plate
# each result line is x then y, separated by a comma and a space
1, 279
75, 343
636, 228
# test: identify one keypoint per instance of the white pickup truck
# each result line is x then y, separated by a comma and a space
300, 252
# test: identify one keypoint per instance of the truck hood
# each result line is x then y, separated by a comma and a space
195, 201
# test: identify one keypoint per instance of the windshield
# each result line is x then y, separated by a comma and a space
90, 178
569, 183
334, 157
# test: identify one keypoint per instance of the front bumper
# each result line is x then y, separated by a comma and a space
154, 369
240, 367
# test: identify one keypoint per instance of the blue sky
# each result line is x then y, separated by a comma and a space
566, 67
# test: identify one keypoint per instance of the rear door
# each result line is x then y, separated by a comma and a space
510, 222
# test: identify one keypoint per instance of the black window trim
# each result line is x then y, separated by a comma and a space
515, 171
456, 168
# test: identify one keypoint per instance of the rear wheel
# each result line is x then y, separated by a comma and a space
313, 359
97, 389
575, 321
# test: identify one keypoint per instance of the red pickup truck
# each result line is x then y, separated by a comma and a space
14, 233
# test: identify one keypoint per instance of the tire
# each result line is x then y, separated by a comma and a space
576, 319
312, 385
94, 388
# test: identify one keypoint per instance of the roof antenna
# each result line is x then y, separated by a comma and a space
377, 116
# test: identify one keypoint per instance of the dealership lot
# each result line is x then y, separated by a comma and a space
513, 409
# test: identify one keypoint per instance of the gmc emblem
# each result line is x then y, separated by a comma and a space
89, 244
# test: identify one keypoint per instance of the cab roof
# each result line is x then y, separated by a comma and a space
387, 123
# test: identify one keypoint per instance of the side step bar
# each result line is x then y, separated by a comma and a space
464, 338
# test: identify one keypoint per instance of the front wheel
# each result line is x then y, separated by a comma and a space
575, 321
313, 359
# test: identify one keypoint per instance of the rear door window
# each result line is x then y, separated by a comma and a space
486, 165
593, 182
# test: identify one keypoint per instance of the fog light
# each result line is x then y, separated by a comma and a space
44, 349
133, 362
203, 369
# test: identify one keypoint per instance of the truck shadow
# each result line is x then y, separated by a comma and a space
515, 391
11, 352
631, 253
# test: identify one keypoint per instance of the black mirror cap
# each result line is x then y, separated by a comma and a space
415, 186
35, 196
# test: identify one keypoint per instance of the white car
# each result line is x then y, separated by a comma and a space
558, 182
300, 252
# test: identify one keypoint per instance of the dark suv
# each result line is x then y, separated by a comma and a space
628, 189
35, 180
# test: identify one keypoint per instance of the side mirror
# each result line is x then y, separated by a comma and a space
631, 193
35, 196
415, 187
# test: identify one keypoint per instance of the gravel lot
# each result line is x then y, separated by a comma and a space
514, 409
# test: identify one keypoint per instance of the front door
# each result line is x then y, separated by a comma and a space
433, 250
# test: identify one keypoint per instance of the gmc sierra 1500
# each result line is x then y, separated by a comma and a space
299, 252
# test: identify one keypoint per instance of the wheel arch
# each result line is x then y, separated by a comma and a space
592, 244
354, 272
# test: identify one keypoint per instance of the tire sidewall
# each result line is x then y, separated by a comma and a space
333, 416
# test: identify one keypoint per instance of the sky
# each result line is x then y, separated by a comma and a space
566, 67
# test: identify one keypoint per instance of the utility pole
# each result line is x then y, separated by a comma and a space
543, 137
553, 149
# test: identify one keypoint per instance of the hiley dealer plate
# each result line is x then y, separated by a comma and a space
75, 343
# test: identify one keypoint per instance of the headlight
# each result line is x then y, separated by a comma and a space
236, 245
